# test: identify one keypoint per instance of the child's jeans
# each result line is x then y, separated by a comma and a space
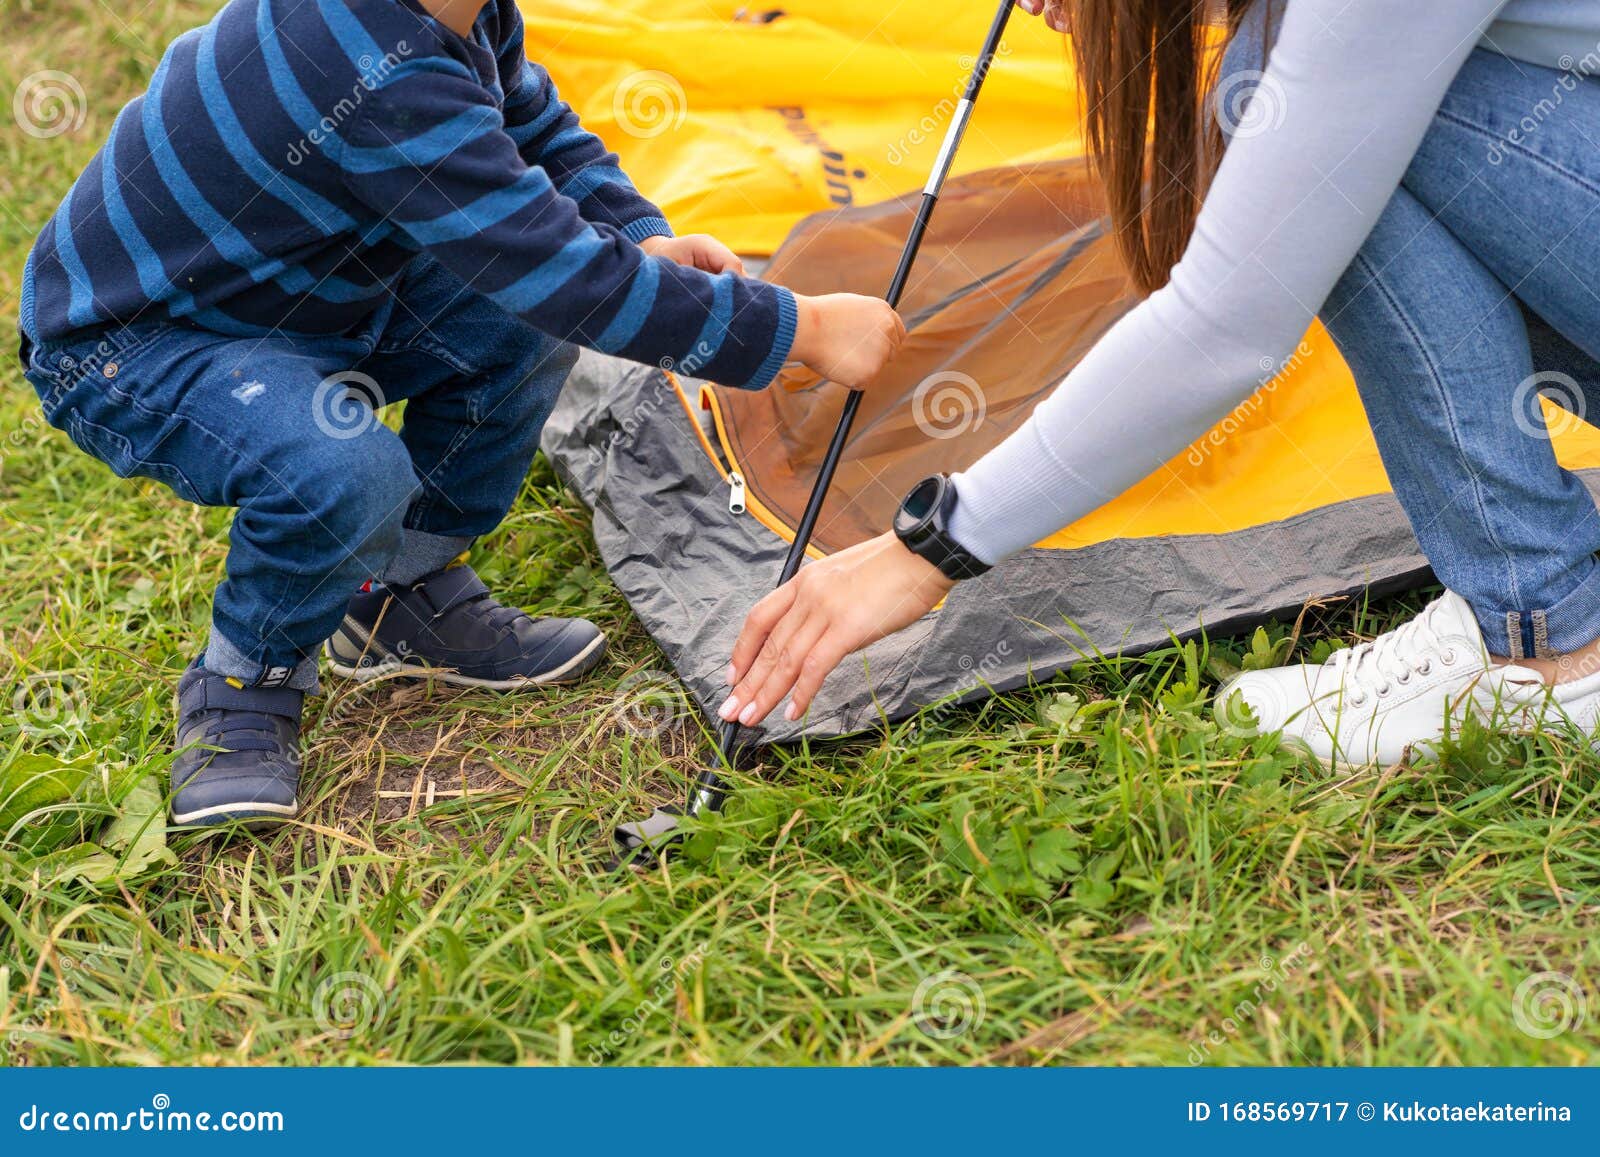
284, 428
1478, 289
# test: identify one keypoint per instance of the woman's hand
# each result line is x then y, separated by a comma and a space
698, 251
1053, 11
798, 634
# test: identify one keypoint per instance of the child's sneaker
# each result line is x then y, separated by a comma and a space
238, 751
448, 626
1376, 702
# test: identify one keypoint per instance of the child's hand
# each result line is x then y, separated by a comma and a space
696, 251
847, 338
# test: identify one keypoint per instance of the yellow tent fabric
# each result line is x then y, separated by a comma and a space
738, 122
741, 120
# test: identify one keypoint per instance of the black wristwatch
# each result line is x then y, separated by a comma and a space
923, 524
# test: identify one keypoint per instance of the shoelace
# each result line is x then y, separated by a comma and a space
1375, 668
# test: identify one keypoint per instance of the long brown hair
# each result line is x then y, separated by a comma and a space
1146, 68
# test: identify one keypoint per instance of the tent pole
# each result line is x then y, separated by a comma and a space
646, 842
710, 791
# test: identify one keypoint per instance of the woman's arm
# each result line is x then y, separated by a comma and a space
1350, 89
1348, 93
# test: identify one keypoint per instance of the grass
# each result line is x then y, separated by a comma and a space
1090, 873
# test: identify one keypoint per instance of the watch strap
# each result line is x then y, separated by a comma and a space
930, 538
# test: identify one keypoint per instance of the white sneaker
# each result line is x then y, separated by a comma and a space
1376, 702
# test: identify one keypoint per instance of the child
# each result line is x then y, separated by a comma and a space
322, 206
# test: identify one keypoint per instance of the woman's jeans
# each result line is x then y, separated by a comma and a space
285, 430
1478, 291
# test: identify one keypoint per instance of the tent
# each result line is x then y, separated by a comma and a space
814, 120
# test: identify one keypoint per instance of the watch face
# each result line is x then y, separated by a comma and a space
918, 506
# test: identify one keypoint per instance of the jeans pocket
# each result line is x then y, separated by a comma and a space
48, 383
117, 452
99, 361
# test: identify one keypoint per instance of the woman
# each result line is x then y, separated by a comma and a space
1426, 177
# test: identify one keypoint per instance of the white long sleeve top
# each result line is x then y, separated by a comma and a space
1352, 86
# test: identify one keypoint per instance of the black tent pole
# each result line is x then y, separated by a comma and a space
710, 792
645, 842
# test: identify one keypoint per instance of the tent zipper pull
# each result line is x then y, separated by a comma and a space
735, 493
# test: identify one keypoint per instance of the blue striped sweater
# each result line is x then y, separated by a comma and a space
292, 156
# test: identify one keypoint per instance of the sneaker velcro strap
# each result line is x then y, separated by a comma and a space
216, 693
447, 590
232, 737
